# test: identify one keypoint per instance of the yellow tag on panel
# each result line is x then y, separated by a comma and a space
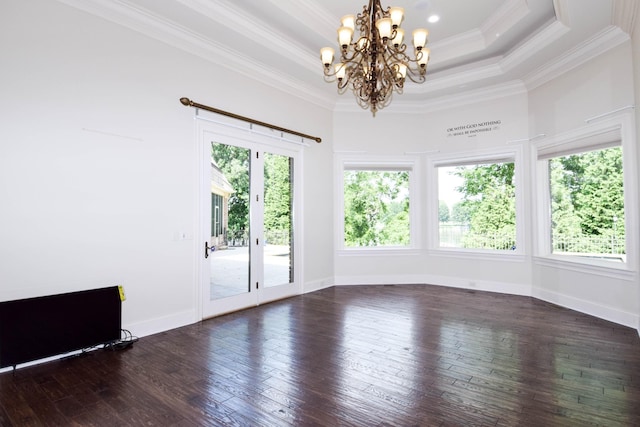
121, 290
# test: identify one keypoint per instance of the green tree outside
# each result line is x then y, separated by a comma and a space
376, 208
488, 205
234, 164
460, 213
277, 198
443, 211
587, 201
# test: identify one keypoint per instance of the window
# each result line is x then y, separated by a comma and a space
377, 209
477, 202
582, 178
584, 214
587, 204
477, 206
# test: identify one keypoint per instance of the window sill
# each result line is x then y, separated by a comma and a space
601, 268
478, 254
377, 251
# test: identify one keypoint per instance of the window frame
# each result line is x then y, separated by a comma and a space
217, 221
411, 164
616, 130
512, 154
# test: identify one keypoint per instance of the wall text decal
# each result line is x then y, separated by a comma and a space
473, 129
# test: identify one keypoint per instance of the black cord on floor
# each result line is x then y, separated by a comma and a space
127, 341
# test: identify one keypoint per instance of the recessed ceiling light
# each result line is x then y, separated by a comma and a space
433, 19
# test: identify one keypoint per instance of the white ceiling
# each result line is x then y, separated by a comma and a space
477, 47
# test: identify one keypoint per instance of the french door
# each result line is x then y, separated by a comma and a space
248, 229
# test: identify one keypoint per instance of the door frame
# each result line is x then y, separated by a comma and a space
224, 131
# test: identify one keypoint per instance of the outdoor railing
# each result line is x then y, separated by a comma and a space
460, 236
239, 238
597, 244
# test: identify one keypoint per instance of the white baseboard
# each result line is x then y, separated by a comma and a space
588, 307
603, 312
521, 289
161, 324
316, 285
406, 279
452, 282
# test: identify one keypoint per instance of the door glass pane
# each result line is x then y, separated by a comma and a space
278, 235
229, 259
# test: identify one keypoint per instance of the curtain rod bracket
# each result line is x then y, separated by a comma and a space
189, 103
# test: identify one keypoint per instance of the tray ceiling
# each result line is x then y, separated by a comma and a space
477, 46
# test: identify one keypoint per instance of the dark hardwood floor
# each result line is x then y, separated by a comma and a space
351, 356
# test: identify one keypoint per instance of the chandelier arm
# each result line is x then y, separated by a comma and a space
420, 78
414, 71
391, 73
343, 84
399, 50
400, 56
350, 62
356, 53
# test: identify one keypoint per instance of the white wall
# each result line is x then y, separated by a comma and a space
600, 86
97, 167
392, 134
97, 160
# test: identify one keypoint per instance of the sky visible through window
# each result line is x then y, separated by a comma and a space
447, 183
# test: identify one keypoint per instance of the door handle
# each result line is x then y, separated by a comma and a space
207, 249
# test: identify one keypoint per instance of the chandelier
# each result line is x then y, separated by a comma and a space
377, 63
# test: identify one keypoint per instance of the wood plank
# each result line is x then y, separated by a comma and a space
351, 356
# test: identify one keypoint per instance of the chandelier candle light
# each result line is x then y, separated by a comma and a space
377, 63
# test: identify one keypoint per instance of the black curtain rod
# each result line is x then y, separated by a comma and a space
189, 103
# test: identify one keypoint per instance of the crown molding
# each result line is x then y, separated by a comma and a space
489, 93
493, 67
446, 102
316, 18
561, 7
606, 39
550, 34
458, 77
126, 14
460, 45
624, 13
505, 17
139, 20
225, 13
